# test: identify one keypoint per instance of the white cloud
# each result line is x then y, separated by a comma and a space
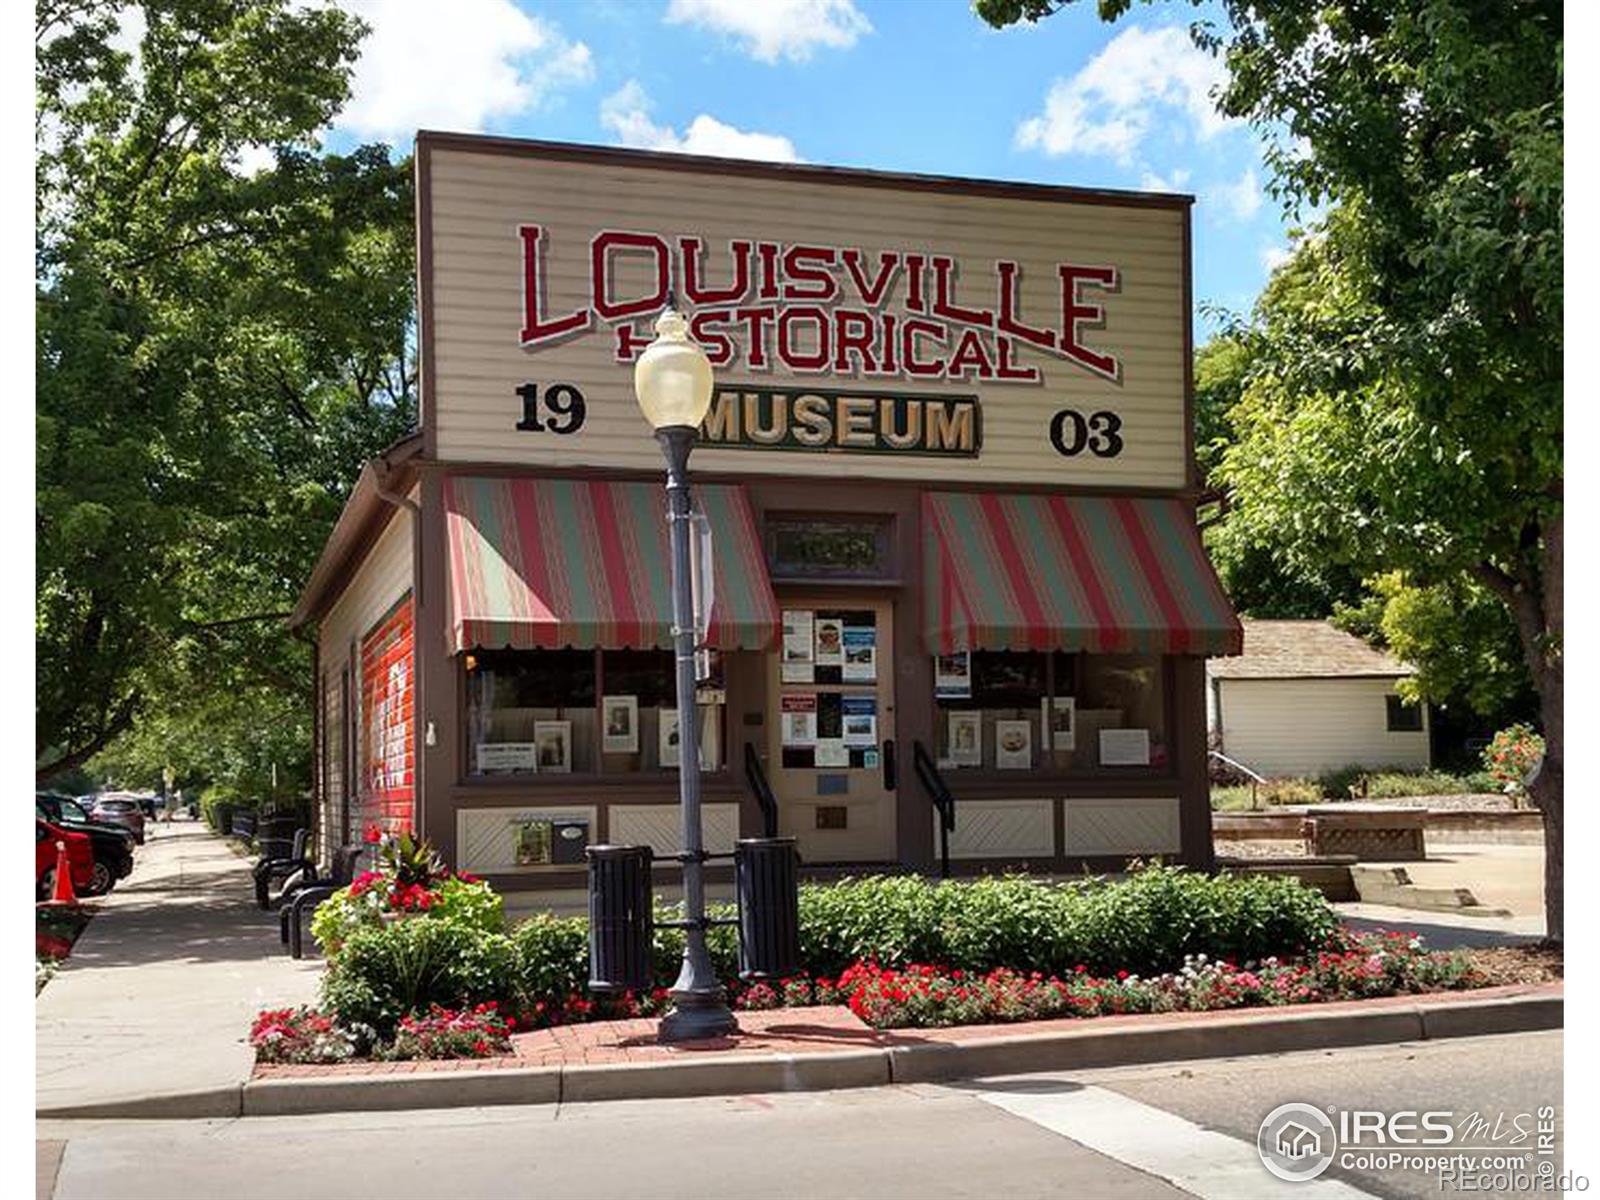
1108, 106
1240, 199
455, 68
1173, 182
1274, 256
626, 114
774, 29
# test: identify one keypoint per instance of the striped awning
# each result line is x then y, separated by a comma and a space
1101, 574
548, 563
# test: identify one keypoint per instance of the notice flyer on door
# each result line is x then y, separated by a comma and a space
799, 716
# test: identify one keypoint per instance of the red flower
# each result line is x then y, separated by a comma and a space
373, 835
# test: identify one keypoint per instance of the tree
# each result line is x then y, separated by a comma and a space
219, 348
1408, 416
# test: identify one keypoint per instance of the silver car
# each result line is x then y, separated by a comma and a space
120, 810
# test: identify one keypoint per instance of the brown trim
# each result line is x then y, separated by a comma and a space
439, 702
1191, 470
1231, 678
821, 485
427, 410
792, 172
361, 522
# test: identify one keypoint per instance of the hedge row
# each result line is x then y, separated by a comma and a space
1145, 924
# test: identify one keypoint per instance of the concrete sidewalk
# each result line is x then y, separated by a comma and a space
159, 992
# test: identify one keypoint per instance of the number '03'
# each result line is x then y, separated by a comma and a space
1100, 433
561, 403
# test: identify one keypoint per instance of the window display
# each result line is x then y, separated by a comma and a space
1006, 711
584, 712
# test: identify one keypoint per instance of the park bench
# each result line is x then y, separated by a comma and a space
295, 907
271, 868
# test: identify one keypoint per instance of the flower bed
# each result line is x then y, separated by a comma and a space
420, 966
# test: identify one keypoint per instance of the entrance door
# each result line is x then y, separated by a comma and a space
830, 719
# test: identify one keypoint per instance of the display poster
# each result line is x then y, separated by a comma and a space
832, 752
496, 758
952, 676
553, 740
1124, 747
799, 715
860, 654
532, 844
798, 627
1061, 721
860, 720
1013, 745
966, 738
667, 738
621, 717
803, 672
830, 642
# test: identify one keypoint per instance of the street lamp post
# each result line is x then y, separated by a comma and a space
672, 380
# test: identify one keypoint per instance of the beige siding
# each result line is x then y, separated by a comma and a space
383, 577
479, 200
1306, 726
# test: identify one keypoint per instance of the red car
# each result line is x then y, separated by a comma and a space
80, 857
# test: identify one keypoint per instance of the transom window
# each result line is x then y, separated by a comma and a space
828, 547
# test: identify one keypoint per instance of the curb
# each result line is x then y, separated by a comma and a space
1227, 1035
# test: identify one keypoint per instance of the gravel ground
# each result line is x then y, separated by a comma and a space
1481, 800
1261, 848
1540, 963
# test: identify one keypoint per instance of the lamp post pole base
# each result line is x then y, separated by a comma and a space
697, 1018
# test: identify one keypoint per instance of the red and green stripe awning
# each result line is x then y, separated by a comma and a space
1100, 574
550, 563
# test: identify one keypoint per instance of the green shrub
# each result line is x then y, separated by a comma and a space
1388, 784
472, 903
1148, 923
382, 974
1336, 784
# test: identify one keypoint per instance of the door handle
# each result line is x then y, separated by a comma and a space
889, 773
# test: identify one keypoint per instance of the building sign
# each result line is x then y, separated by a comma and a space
388, 770
1021, 334
888, 313
869, 422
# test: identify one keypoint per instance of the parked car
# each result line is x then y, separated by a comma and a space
120, 810
80, 858
112, 844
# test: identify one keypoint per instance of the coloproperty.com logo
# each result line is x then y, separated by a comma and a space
1465, 1152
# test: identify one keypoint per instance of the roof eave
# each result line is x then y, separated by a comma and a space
363, 517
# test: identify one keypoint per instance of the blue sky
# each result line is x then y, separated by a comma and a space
911, 85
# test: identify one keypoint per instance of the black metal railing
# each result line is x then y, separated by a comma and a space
933, 783
756, 778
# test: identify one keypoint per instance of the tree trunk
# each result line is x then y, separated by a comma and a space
1548, 660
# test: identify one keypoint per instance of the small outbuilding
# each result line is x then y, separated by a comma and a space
1306, 697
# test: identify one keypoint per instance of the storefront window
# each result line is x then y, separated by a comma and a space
1060, 712
584, 712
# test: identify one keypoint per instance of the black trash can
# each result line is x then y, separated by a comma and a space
619, 918
275, 836
768, 875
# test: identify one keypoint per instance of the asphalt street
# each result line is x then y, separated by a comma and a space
1153, 1131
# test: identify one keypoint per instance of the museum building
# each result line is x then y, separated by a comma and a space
947, 483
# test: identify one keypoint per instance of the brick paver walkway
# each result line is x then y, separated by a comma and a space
803, 1031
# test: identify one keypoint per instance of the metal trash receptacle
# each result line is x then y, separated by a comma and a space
620, 904
768, 877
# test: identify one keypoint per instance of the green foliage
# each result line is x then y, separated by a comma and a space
382, 974
217, 351
1147, 922
473, 904
1510, 756
1458, 635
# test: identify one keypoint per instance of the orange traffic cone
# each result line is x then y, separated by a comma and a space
63, 893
